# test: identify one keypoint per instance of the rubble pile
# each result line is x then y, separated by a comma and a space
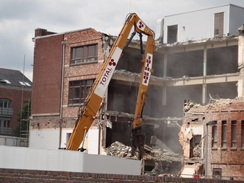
120, 150
159, 155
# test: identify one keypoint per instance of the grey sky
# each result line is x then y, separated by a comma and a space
19, 19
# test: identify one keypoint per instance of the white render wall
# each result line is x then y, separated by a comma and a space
198, 25
64, 160
44, 138
49, 139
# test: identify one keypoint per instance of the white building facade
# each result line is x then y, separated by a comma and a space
201, 24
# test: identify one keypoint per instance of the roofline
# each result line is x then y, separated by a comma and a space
57, 34
10, 69
17, 88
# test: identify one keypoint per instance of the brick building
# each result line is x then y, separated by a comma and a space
199, 70
62, 62
212, 138
15, 91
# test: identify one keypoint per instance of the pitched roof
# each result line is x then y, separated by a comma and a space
14, 78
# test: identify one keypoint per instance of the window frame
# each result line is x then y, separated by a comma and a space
242, 134
224, 134
219, 24
233, 133
214, 136
172, 32
78, 91
88, 54
6, 103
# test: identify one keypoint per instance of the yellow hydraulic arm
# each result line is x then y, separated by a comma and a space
97, 93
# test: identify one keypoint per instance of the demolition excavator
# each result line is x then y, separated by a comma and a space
93, 101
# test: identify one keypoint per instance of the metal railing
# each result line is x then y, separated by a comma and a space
6, 111
5, 131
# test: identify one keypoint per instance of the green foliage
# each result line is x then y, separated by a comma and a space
22, 129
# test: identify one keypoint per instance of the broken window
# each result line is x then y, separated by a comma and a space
195, 149
214, 136
233, 133
242, 133
172, 33
224, 135
78, 90
84, 54
219, 24
217, 173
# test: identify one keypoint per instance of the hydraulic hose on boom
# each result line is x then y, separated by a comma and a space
97, 93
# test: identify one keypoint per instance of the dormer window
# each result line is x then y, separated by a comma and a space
5, 81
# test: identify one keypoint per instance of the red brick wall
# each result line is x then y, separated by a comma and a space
13, 176
15, 95
229, 159
83, 71
47, 75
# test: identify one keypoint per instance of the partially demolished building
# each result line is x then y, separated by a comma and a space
212, 137
200, 66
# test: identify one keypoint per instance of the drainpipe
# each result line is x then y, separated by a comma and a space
61, 93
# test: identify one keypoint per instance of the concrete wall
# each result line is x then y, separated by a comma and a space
197, 25
44, 138
62, 160
13, 141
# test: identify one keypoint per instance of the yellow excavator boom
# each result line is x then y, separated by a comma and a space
97, 93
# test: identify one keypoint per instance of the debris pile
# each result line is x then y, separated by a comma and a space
120, 150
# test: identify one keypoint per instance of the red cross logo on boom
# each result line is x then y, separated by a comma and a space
112, 62
141, 25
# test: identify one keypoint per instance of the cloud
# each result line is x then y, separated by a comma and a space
19, 19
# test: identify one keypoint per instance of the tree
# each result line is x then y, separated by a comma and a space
22, 130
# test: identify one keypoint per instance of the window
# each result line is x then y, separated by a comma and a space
67, 138
78, 90
23, 83
84, 54
242, 133
233, 133
5, 103
5, 123
214, 136
172, 33
217, 173
224, 128
218, 24
5, 126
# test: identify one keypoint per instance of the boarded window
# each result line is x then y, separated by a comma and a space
84, 54
214, 135
224, 134
219, 24
242, 133
172, 33
78, 90
233, 133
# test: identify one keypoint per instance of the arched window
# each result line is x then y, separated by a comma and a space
5, 103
